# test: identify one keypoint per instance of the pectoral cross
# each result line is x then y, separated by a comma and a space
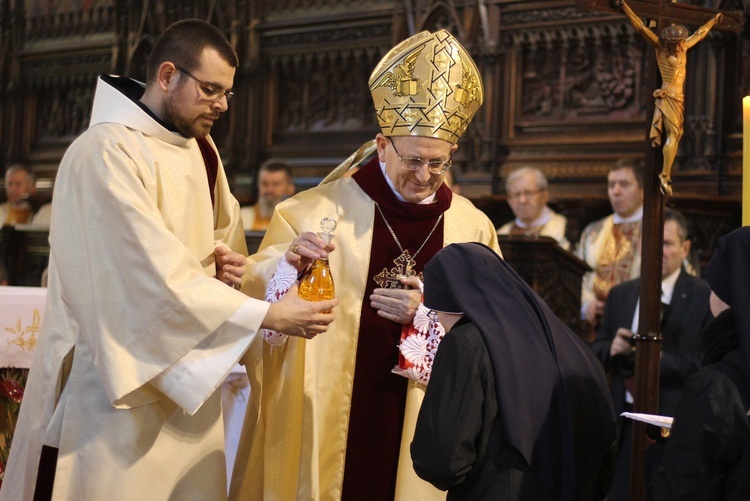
391, 279
656, 15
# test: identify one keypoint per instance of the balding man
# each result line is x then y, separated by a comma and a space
528, 196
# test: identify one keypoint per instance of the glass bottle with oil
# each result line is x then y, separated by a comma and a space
316, 283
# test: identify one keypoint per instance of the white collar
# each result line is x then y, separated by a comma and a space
635, 217
544, 216
667, 286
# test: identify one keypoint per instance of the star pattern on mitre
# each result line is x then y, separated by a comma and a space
436, 106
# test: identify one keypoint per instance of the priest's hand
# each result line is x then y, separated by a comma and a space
230, 265
294, 316
306, 248
399, 305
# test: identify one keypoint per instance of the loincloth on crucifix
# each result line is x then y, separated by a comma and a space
669, 106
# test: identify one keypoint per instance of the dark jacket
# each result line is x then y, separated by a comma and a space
688, 314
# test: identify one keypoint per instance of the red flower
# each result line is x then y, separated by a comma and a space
11, 389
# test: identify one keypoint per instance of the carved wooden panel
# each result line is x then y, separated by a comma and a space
574, 76
565, 90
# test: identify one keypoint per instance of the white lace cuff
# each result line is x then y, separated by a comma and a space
419, 343
282, 280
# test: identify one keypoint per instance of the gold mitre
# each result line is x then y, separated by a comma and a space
427, 85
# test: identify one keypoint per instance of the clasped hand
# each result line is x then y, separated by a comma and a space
399, 305
230, 265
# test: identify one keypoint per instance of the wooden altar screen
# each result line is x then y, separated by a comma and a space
555, 274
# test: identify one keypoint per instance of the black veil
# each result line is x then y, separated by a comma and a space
554, 403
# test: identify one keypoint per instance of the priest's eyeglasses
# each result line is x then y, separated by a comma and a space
208, 90
415, 163
527, 194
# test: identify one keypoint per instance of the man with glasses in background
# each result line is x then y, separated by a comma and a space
527, 193
337, 413
140, 326
19, 186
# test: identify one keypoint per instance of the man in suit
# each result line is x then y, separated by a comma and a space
685, 312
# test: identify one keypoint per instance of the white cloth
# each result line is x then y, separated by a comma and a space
42, 217
553, 225
134, 319
4, 207
235, 394
21, 311
248, 216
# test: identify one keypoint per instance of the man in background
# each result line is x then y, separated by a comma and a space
612, 246
19, 186
527, 193
685, 312
275, 183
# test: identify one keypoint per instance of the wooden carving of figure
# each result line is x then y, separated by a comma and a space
671, 56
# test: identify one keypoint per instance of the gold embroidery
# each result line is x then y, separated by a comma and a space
616, 258
25, 338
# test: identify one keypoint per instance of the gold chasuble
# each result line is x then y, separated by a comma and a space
333, 421
17, 214
616, 259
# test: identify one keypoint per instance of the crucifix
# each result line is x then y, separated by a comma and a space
655, 16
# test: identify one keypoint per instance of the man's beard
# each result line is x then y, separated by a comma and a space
174, 117
266, 207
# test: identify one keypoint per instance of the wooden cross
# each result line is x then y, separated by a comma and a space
670, 11
648, 340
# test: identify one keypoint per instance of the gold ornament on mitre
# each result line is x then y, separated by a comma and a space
427, 85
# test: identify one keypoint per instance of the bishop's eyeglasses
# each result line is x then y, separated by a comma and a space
415, 163
208, 90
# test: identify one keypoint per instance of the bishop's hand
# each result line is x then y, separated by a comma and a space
305, 249
398, 305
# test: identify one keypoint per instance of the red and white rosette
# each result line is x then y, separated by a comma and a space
419, 343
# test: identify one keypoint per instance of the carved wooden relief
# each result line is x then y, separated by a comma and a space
325, 93
565, 90
570, 76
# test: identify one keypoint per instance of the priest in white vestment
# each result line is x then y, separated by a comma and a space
527, 193
612, 245
138, 333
